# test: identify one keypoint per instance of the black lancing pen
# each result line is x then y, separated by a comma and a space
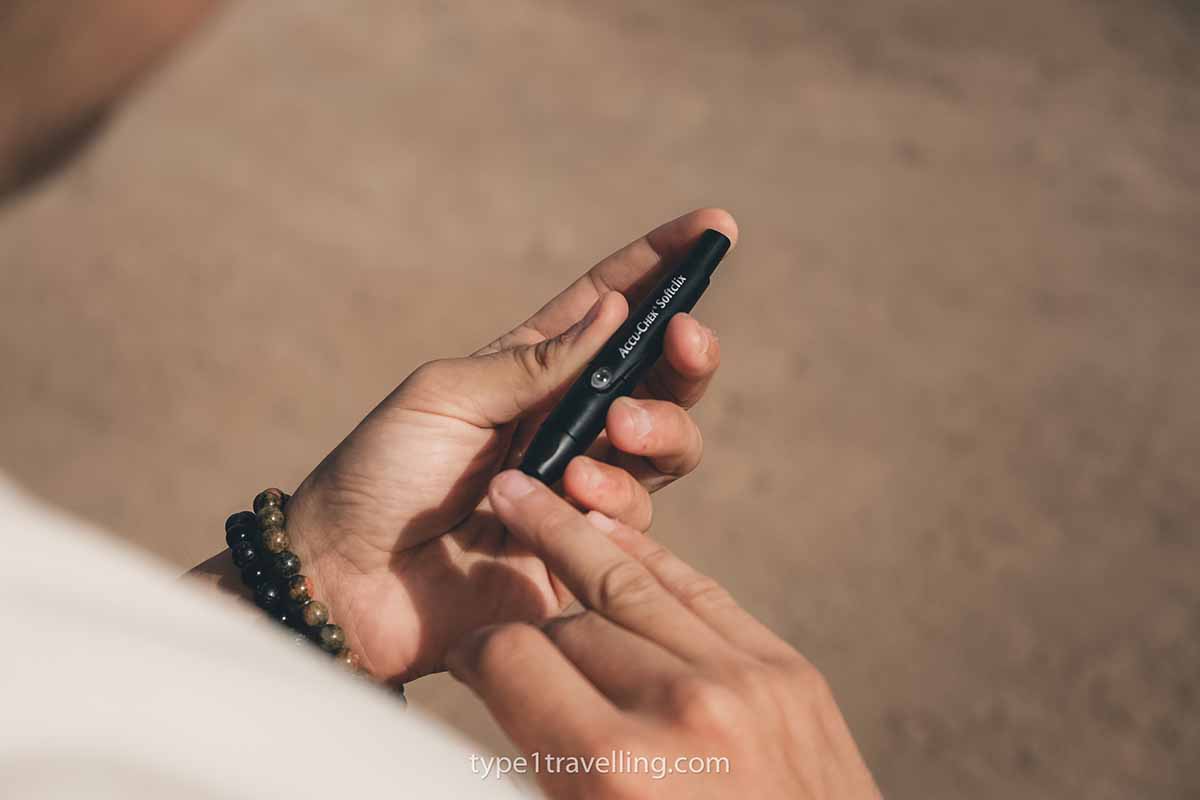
579, 417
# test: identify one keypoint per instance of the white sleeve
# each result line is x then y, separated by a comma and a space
119, 679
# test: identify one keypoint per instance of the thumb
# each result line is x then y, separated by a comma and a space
496, 388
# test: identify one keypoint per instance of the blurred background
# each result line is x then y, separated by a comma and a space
954, 452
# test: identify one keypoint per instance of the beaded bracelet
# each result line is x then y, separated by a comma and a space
260, 547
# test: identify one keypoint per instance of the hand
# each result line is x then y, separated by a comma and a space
662, 664
394, 527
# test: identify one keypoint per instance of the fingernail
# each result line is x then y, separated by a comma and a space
604, 523
591, 475
512, 485
639, 417
710, 337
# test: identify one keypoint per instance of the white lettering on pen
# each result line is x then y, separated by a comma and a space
647, 322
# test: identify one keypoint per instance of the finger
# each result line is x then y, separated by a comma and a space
705, 597
610, 490
495, 388
658, 430
621, 664
601, 576
691, 356
630, 270
535, 693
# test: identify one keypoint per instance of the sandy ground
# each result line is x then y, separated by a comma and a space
954, 454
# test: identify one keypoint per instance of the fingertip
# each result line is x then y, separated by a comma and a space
510, 486
627, 424
672, 238
581, 478
720, 220
691, 347
606, 315
692, 329
615, 303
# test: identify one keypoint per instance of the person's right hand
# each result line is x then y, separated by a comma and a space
662, 664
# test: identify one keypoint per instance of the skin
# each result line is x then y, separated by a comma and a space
64, 65
404, 543
663, 662
395, 527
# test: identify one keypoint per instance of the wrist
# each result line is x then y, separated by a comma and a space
262, 567
320, 561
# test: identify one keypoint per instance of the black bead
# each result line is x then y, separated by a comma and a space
284, 614
256, 573
240, 518
244, 553
287, 564
242, 533
267, 595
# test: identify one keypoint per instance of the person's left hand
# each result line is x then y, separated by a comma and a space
394, 526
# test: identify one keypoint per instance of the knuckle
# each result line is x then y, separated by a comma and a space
755, 679
704, 705
535, 360
543, 353
624, 583
658, 558
704, 592
808, 683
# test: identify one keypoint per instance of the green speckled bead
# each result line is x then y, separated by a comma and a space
286, 564
315, 613
300, 588
268, 498
270, 517
348, 659
332, 638
275, 540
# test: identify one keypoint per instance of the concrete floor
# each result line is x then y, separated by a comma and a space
954, 454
